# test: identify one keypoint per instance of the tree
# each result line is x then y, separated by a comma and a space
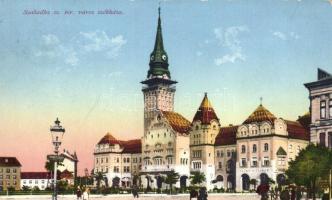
312, 163
197, 177
253, 182
171, 178
99, 176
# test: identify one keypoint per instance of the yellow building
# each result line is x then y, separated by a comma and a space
204, 129
10, 173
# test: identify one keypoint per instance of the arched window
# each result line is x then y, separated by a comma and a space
243, 149
254, 148
266, 147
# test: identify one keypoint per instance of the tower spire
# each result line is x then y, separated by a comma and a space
158, 57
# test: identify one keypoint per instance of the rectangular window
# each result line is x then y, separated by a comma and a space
323, 109
243, 162
254, 162
220, 165
266, 162
14, 171
7, 170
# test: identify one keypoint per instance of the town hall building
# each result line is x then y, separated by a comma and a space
230, 157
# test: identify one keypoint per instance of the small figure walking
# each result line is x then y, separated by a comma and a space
79, 193
202, 194
135, 191
86, 194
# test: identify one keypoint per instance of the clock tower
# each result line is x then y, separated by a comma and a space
158, 88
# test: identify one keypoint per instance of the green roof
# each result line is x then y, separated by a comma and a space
281, 152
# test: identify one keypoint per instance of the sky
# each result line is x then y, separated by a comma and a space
86, 68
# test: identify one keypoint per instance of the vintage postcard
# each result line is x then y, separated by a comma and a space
199, 99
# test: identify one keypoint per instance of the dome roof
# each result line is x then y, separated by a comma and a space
259, 115
108, 139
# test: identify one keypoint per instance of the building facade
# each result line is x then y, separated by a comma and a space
10, 173
225, 158
265, 144
40, 180
120, 161
320, 95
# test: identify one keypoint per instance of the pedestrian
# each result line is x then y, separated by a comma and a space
193, 194
298, 194
79, 193
293, 194
135, 191
284, 195
202, 194
86, 194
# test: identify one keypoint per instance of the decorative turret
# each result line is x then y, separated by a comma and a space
158, 57
205, 112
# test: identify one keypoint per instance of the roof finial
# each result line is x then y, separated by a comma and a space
261, 100
159, 9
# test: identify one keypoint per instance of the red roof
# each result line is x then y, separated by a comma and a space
35, 175
226, 136
132, 146
177, 122
297, 131
109, 139
129, 146
205, 112
9, 162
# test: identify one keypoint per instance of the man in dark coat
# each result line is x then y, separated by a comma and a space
135, 191
79, 193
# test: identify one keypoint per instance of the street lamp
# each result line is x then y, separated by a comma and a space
57, 132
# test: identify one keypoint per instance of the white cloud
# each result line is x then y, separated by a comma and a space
286, 36
280, 35
99, 41
86, 42
52, 47
229, 38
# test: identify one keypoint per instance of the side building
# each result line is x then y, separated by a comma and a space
69, 166
40, 180
320, 95
118, 160
10, 173
264, 145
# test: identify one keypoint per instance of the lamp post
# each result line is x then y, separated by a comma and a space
57, 132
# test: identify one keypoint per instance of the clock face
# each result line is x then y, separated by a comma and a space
152, 57
163, 57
